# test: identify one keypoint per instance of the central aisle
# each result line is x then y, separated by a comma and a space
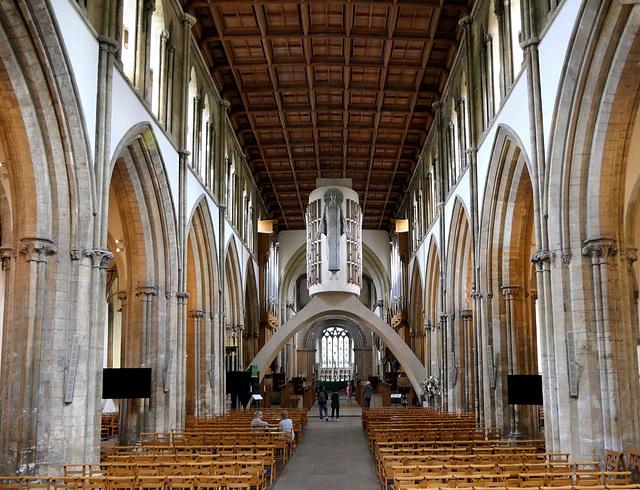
332, 455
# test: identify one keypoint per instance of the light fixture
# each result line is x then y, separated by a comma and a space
265, 226
402, 225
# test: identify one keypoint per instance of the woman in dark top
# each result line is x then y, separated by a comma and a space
335, 405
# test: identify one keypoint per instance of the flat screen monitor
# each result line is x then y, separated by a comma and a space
126, 383
524, 389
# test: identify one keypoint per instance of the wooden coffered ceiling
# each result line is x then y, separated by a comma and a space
330, 88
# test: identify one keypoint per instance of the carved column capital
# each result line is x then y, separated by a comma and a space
164, 35
123, 296
146, 293
149, 6
107, 44
225, 104
466, 314
600, 249
476, 295
188, 20
37, 249
196, 313
99, 257
510, 291
631, 254
565, 257
427, 326
534, 294
437, 105
6, 254
182, 295
540, 258
466, 22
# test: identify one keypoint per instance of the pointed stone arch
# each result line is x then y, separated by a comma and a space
347, 305
141, 213
461, 389
433, 311
251, 332
593, 182
416, 313
47, 222
233, 307
202, 341
507, 242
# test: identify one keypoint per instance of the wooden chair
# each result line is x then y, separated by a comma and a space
151, 482
94, 483
69, 482
633, 463
11, 483
612, 460
128, 482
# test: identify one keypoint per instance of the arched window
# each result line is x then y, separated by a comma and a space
191, 114
129, 37
157, 57
205, 141
336, 354
516, 35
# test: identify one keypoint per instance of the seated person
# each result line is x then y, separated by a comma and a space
257, 422
286, 424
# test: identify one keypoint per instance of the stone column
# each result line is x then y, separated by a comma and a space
94, 338
614, 363
102, 164
28, 357
180, 357
240, 335
510, 293
467, 348
198, 374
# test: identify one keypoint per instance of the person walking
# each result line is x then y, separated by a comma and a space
349, 391
368, 394
335, 404
322, 403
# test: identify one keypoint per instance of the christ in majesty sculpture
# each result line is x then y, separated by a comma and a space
333, 225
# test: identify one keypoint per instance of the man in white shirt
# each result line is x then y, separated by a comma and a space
286, 424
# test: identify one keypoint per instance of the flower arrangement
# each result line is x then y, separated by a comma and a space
431, 386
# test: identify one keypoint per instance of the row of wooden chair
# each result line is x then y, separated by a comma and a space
619, 480
217, 482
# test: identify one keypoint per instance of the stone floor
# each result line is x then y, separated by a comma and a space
332, 456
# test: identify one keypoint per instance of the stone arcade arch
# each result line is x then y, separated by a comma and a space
202, 340
49, 254
346, 305
585, 242
507, 242
139, 193
461, 389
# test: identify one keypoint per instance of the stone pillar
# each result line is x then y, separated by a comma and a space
618, 387
467, 348
510, 293
181, 356
199, 374
102, 164
240, 335
94, 340
29, 355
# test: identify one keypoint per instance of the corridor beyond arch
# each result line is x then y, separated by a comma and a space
348, 305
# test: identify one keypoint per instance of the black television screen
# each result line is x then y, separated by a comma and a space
524, 389
126, 383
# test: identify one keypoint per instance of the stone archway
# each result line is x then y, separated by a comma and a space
347, 305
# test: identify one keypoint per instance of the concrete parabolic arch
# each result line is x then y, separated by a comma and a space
345, 304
